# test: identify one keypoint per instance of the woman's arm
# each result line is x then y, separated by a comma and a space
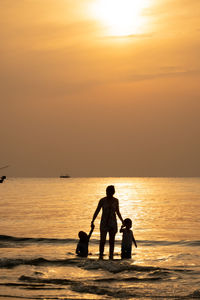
118, 212
97, 212
91, 231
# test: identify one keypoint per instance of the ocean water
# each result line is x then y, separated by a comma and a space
39, 223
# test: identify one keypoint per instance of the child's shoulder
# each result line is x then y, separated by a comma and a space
129, 231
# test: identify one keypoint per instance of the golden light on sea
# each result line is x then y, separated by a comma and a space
121, 17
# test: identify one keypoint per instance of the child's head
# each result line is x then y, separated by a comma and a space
83, 236
128, 223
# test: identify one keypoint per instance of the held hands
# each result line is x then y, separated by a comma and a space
122, 228
123, 225
92, 225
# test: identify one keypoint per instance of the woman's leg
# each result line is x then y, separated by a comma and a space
111, 243
102, 243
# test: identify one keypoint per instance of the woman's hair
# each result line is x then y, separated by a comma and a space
110, 190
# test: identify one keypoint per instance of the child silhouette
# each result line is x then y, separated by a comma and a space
82, 247
127, 239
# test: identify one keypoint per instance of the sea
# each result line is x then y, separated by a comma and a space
40, 219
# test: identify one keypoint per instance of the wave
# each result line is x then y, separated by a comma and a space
96, 281
14, 262
116, 266
6, 240
12, 239
120, 279
89, 287
170, 243
95, 286
115, 293
46, 280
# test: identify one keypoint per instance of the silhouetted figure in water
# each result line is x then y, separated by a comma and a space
2, 179
110, 207
82, 247
127, 239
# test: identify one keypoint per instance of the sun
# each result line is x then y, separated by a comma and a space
121, 17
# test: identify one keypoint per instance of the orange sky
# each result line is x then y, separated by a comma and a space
77, 98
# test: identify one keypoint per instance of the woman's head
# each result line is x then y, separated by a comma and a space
110, 190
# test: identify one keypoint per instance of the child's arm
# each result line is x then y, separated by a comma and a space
77, 249
121, 229
91, 231
134, 241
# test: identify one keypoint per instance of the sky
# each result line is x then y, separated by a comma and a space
95, 89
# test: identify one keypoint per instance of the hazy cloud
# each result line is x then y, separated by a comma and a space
102, 105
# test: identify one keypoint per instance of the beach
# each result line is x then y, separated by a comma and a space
40, 219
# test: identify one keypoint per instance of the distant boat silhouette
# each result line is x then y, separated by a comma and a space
64, 176
2, 179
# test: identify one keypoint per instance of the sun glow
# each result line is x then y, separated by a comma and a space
121, 17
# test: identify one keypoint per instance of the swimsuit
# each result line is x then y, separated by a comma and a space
108, 218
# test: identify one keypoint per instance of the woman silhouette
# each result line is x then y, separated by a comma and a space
110, 207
